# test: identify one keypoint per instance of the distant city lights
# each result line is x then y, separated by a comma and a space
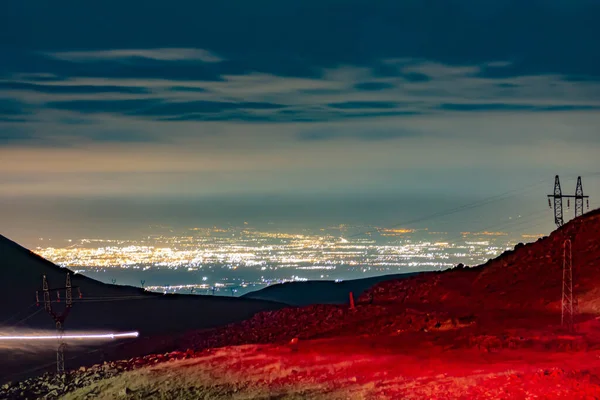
280, 257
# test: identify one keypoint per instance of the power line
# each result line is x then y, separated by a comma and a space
27, 317
17, 314
463, 207
468, 206
497, 227
539, 215
538, 218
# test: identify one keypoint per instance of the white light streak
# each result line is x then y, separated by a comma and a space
69, 337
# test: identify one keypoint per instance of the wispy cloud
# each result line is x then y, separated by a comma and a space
373, 134
157, 108
357, 105
161, 54
69, 89
13, 111
344, 92
414, 95
498, 64
373, 86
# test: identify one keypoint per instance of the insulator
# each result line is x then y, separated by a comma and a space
568, 203
58, 296
549, 203
37, 299
587, 201
80, 294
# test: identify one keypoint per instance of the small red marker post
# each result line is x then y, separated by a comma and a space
294, 344
351, 301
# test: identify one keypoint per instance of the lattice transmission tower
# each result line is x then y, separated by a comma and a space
568, 302
579, 197
59, 318
558, 197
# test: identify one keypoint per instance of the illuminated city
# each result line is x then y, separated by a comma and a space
236, 260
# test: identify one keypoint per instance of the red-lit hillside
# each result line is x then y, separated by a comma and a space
521, 287
527, 279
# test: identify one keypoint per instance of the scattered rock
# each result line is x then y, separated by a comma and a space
126, 392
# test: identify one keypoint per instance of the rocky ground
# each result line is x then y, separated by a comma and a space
450, 359
51, 386
408, 365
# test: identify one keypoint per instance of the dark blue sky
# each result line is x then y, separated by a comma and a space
182, 99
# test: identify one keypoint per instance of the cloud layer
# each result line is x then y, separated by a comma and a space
292, 96
343, 93
128, 55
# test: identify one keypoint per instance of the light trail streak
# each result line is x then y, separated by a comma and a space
78, 337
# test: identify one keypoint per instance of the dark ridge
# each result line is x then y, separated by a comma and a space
320, 292
102, 308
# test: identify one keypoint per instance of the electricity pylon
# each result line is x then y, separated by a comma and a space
579, 199
558, 201
59, 318
567, 303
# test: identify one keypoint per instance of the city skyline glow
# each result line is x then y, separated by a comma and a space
236, 260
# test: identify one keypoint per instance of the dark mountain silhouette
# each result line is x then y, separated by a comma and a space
103, 307
320, 292
106, 307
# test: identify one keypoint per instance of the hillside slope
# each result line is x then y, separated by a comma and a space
109, 306
527, 279
103, 307
320, 292
520, 287
359, 369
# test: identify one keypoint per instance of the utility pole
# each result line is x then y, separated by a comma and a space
59, 318
558, 201
567, 303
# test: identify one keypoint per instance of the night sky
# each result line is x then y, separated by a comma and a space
306, 108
